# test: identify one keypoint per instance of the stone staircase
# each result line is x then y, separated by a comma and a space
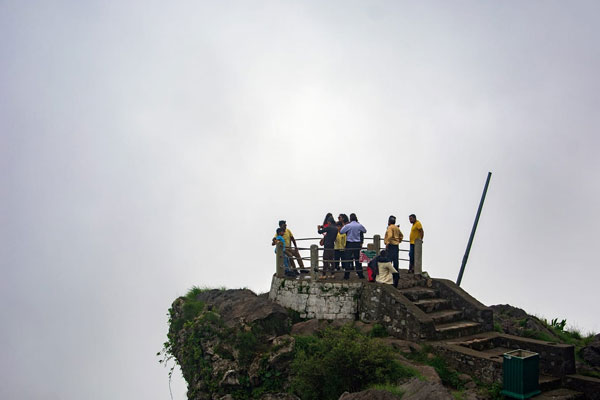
449, 322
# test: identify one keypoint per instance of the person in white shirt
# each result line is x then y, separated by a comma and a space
386, 269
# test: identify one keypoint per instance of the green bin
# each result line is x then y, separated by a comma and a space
521, 372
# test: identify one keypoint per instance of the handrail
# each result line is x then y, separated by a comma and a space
317, 259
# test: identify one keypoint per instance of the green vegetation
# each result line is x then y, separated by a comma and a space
567, 336
497, 327
345, 360
378, 330
427, 356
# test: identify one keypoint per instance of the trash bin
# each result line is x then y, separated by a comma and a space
521, 372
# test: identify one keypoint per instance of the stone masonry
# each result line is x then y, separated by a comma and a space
320, 300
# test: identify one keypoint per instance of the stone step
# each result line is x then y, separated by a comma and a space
548, 382
444, 316
457, 329
560, 394
419, 293
431, 305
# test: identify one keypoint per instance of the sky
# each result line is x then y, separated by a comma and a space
147, 147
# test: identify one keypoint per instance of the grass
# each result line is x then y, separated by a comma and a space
196, 290
393, 389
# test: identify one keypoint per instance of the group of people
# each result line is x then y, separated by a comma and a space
387, 261
342, 242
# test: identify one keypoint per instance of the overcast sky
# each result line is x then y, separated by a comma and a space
147, 146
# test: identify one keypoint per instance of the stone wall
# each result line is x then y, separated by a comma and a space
485, 367
473, 310
587, 385
401, 318
555, 359
320, 300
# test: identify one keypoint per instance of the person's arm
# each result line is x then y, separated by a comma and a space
293, 240
401, 235
422, 233
274, 241
386, 237
345, 228
362, 228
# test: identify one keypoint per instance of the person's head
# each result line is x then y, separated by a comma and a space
327, 217
339, 225
343, 218
282, 224
330, 220
280, 231
353, 217
383, 254
412, 218
391, 220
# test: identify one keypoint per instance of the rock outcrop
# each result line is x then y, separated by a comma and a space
515, 321
591, 352
231, 342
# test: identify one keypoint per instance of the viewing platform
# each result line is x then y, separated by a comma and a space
424, 309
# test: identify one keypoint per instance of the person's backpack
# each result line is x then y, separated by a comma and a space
373, 269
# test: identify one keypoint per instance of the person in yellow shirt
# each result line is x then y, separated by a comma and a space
340, 246
392, 239
291, 252
416, 232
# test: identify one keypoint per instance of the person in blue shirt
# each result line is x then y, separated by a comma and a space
354, 236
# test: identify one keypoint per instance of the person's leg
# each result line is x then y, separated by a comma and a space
290, 254
337, 256
355, 247
345, 263
411, 257
299, 258
393, 255
328, 261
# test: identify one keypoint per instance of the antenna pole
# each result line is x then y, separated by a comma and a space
466, 256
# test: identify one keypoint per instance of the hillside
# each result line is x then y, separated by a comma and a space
233, 344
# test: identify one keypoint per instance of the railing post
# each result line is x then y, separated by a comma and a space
279, 266
377, 243
418, 256
314, 261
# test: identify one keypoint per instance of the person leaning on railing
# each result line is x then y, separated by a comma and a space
289, 251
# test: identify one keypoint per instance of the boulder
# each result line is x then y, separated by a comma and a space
416, 389
309, 327
591, 352
283, 351
244, 307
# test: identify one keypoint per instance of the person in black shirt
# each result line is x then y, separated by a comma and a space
331, 233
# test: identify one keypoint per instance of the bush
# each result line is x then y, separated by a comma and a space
339, 360
378, 331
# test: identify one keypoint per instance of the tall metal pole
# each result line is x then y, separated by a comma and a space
466, 256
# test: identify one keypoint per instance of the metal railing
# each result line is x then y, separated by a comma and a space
317, 262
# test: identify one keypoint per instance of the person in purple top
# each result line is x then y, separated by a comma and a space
354, 232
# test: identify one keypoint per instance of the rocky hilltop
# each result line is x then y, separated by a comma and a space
233, 344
